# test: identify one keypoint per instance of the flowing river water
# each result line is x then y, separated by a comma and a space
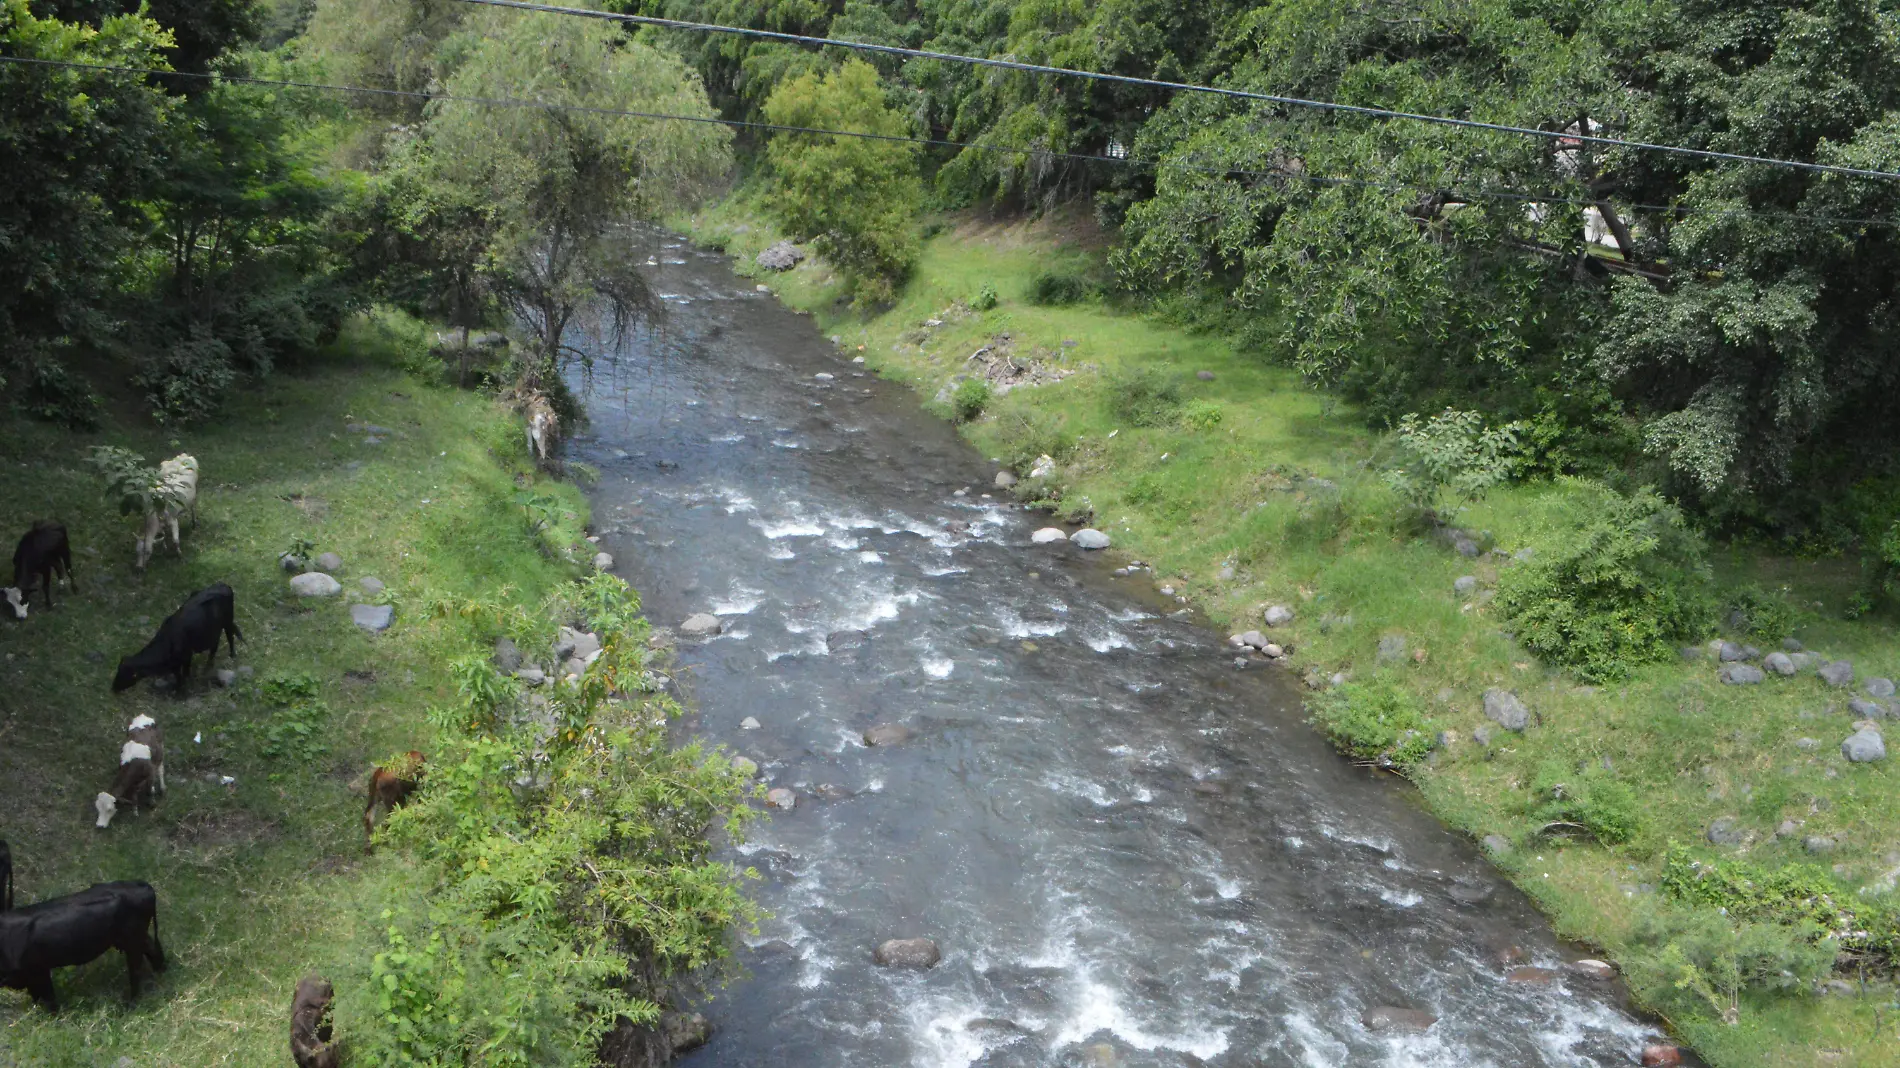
1130, 851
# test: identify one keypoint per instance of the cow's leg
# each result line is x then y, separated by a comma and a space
46, 586
134, 951
171, 521
153, 950
40, 985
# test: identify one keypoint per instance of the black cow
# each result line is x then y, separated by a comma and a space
76, 929
42, 553
191, 630
6, 876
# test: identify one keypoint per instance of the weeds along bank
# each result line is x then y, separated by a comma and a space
1711, 837
532, 813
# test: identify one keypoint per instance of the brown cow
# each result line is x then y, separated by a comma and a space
389, 787
310, 1044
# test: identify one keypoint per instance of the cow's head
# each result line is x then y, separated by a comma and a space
107, 806
127, 675
14, 600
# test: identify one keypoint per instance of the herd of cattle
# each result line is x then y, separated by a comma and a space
80, 927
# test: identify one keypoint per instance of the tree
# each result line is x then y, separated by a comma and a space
853, 198
553, 190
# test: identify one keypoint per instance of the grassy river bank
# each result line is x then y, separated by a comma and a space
1266, 492
261, 877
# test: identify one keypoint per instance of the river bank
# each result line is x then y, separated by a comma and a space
1275, 499
256, 849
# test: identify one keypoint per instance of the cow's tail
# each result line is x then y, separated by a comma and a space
157, 951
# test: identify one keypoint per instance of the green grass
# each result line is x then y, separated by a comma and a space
265, 880
1283, 493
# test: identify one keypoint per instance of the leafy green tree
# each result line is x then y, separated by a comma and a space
853, 198
542, 196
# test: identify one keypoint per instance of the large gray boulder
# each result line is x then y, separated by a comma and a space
1865, 709
1880, 687
315, 584
573, 643
1739, 674
1048, 536
1278, 615
1503, 708
1864, 746
887, 734
1837, 673
374, 618
507, 656
908, 953
1780, 663
329, 562
1089, 538
1464, 584
780, 257
701, 624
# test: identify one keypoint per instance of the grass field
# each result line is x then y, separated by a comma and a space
1281, 501
264, 879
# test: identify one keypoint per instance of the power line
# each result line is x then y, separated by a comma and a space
1155, 83
1281, 174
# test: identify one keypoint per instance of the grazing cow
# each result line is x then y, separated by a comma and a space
191, 630
133, 785
76, 929
6, 876
388, 788
310, 1044
43, 552
177, 493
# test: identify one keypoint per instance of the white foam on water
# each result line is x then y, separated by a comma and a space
780, 552
1404, 899
786, 445
788, 528
726, 439
1097, 1008
1016, 627
735, 634
940, 572
738, 601
940, 1037
1107, 641
1294, 841
1085, 789
1228, 889
875, 786
938, 668
1143, 794
869, 557
1129, 615
734, 500
842, 541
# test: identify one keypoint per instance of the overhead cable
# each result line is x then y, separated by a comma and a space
1156, 83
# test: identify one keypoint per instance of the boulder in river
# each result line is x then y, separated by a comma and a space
1837, 673
1089, 538
1661, 1055
1599, 970
1005, 479
749, 723
1048, 536
917, 953
887, 734
745, 766
701, 624
315, 584
603, 562
1532, 975
840, 640
1505, 709
781, 798
1392, 1020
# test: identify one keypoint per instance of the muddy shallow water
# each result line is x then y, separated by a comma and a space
1130, 851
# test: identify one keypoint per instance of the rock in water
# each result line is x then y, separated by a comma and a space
507, 656
780, 257
315, 584
701, 624
1864, 746
781, 798
1739, 674
374, 618
1837, 673
683, 1031
839, 641
745, 766
1601, 971
1780, 663
1503, 708
1047, 536
329, 562
1278, 615
908, 953
750, 723
603, 562
1005, 479
1390, 1019
887, 734
1659, 1055
1089, 538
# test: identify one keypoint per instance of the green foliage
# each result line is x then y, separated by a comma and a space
1201, 415
1145, 395
972, 395
1026, 433
50, 391
187, 381
1452, 452
1375, 720
1054, 288
131, 484
567, 859
985, 298
1614, 593
1694, 962
296, 729
1590, 798
1795, 895
854, 199
1758, 613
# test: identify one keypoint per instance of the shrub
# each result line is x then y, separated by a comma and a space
1375, 720
1791, 895
985, 298
1614, 593
1026, 432
1052, 288
1145, 396
1201, 415
1697, 962
187, 381
1589, 798
1757, 613
972, 395
51, 392
1452, 451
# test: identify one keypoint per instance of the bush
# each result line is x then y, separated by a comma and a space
972, 395
1052, 288
1757, 613
1145, 396
1615, 593
1791, 895
187, 382
53, 393
1201, 415
1589, 798
985, 298
1452, 451
1026, 433
1697, 962
1375, 720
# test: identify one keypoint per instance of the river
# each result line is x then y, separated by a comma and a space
1130, 851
